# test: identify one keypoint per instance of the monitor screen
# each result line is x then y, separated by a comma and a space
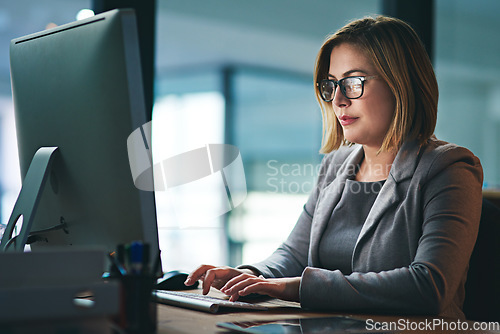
78, 87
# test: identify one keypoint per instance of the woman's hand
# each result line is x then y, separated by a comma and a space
283, 288
215, 276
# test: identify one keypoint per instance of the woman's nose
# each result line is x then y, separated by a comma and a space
340, 100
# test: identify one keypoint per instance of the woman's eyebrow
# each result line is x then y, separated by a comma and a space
357, 70
346, 74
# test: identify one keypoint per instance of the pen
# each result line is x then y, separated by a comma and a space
136, 257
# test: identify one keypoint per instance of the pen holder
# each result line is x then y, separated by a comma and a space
138, 312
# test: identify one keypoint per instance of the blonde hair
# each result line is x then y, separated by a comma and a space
402, 62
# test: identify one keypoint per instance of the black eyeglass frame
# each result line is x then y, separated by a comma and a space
339, 83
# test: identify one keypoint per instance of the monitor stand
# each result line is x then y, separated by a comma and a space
28, 199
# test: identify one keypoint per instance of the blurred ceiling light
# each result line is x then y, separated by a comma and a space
84, 13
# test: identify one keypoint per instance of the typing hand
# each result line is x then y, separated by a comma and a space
245, 284
214, 276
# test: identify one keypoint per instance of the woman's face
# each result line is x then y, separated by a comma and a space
364, 120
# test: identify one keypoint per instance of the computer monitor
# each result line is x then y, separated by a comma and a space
78, 88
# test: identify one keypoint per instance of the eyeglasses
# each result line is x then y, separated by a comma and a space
351, 87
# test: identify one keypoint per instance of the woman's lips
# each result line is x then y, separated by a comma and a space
347, 120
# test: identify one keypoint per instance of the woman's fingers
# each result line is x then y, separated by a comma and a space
235, 280
283, 288
212, 276
217, 277
197, 274
240, 282
230, 281
239, 286
263, 288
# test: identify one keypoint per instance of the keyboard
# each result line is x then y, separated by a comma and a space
201, 302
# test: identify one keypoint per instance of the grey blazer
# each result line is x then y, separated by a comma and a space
412, 254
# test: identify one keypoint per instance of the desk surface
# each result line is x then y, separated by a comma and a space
173, 319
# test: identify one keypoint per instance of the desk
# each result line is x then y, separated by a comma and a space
173, 319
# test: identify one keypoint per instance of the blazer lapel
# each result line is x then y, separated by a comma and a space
387, 197
403, 167
328, 199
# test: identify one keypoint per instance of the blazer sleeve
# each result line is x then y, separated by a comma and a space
451, 201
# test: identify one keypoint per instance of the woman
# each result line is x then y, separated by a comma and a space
393, 219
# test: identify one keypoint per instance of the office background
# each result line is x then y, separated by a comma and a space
240, 72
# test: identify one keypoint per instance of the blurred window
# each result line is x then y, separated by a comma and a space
468, 71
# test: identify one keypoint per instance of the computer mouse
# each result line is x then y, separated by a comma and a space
174, 280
